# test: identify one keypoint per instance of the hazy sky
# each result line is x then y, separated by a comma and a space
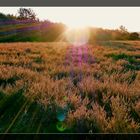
105, 17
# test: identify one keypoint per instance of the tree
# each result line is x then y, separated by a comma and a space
124, 34
123, 29
134, 36
3, 16
26, 14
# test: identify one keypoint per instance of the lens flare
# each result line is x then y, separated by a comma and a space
61, 116
61, 126
61, 113
77, 36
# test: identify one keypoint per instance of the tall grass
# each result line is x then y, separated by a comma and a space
45, 88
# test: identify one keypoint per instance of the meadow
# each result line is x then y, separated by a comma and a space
57, 87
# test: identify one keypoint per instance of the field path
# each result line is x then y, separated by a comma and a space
77, 56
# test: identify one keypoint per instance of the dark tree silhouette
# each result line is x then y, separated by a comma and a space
123, 29
134, 36
26, 14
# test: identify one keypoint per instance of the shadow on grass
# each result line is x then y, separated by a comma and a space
11, 81
20, 115
134, 64
117, 45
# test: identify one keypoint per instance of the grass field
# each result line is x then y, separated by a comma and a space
56, 87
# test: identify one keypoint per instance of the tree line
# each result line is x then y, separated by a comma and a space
25, 26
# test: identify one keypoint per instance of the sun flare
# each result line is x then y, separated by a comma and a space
77, 36
76, 24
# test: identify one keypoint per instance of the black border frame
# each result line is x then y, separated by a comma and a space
74, 3
70, 3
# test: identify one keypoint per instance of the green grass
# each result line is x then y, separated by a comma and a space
117, 45
134, 64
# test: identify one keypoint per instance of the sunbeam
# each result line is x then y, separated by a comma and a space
77, 36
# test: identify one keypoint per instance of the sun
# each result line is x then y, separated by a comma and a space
77, 35
75, 26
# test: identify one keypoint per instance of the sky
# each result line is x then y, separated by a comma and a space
105, 17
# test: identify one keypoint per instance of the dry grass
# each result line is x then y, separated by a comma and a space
54, 87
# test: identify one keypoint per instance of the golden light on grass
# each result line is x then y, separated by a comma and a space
38, 95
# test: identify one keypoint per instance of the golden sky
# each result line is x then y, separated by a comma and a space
105, 17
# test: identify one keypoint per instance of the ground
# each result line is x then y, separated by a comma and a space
58, 87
